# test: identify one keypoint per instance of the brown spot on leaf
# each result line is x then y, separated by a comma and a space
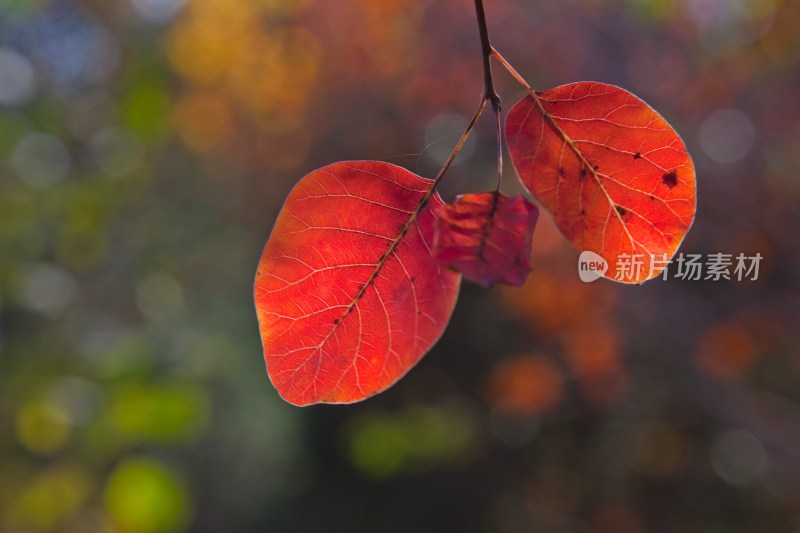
637, 155
621, 210
670, 179
335, 321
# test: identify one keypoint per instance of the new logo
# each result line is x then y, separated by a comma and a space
591, 266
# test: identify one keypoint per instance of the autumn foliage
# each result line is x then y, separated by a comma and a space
347, 295
487, 237
615, 176
361, 272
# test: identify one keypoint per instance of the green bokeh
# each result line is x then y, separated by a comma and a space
145, 496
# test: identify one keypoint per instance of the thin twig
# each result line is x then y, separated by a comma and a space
489, 91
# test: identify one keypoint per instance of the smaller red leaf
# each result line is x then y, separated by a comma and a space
613, 173
487, 237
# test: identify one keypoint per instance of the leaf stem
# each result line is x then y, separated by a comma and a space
511, 70
496, 197
457, 149
499, 150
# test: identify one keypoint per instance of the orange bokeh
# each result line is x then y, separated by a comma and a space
525, 384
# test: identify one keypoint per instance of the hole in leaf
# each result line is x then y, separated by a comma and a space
670, 179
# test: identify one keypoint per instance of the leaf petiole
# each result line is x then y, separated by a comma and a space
457, 149
511, 70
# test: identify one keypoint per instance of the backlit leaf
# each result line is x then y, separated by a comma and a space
347, 293
487, 237
615, 176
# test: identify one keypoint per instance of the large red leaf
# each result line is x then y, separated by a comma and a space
615, 176
487, 237
347, 293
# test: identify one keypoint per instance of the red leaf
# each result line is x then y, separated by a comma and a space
487, 237
616, 177
347, 293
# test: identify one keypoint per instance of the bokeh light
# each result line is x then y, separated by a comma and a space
442, 133
41, 160
17, 82
727, 135
47, 288
739, 458
157, 10
145, 496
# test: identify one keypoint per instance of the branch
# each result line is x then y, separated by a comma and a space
489, 91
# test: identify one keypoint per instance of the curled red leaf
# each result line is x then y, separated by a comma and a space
487, 237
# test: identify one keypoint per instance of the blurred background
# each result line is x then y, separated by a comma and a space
145, 148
